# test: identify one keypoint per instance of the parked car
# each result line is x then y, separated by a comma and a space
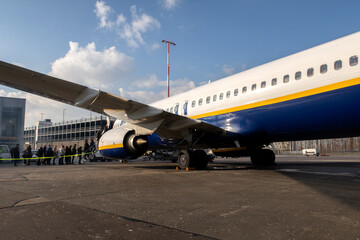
95, 156
311, 152
4, 153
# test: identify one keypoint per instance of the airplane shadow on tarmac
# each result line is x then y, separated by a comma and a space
336, 179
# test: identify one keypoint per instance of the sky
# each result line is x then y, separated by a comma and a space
116, 45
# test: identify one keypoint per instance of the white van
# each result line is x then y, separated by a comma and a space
4, 153
311, 152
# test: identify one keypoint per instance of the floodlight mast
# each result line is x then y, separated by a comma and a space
168, 65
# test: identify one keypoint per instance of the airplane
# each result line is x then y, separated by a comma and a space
313, 94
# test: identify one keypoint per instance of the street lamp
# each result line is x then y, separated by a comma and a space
168, 65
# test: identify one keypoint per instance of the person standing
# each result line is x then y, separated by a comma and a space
73, 152
28, 155
61, 154
79, 151
86, 149
68, 155
16, 154
54, 154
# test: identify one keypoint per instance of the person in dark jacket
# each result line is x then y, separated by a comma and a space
67, 155
79, 152
86, 149
40, 154
28, 154
15, 152
73, 152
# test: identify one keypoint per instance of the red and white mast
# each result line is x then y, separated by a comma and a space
168, 65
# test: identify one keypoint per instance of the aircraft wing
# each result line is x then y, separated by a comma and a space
145, 118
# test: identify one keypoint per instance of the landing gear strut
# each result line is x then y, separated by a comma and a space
263, 157
197, 159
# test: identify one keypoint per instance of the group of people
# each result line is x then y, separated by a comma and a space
47, 155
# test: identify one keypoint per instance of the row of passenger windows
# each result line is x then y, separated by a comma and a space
353, 61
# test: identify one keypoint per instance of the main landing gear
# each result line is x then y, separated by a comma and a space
263, 157
197, 159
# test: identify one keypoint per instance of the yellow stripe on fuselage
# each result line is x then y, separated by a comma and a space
111, 146
331, 87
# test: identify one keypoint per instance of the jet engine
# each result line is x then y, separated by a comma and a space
122, 143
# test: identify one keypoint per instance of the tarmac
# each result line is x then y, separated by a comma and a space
299, 198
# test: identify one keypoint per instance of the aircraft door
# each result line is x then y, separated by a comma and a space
185, 108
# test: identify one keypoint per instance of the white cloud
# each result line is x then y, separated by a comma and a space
102, 12
87, 66
152, 92
131, 31
228, 69
170, 4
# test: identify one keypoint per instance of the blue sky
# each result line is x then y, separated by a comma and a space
116, 45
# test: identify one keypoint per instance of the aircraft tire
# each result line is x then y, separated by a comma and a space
200, 159
263, 157
184, 159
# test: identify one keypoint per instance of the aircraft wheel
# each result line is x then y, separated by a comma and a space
184, 159
263, 157
200, 159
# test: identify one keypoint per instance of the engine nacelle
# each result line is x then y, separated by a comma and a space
122, 143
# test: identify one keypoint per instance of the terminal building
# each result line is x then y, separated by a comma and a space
66, 133
12, 118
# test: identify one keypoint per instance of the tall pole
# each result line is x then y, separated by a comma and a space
168, 65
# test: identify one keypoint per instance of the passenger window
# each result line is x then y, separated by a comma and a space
286, 79
208, 99
221, 96
200, 101
273, 81
263, 84
298, 75
214, 98
176, 108
338, 65
323, 68
193, 103
353, 60
253, 87
228, 94
171, 110
310, 72
244, 89
236, 91
167, 110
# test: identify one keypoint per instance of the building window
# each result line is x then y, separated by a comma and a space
221, 96
253, 87
310, 72
273, 81
208, 100
214, 98
244, 89
338, 65
286, 79
228, 94
263, 84
236, 91
193, 103
200, 101
323, 68
353, 60
298, 75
